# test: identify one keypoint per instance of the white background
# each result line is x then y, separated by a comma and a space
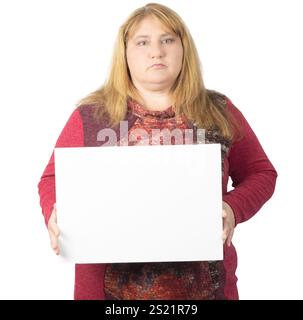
55, 52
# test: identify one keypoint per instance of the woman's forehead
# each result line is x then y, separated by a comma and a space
143, 28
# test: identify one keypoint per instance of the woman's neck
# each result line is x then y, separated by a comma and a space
155, 102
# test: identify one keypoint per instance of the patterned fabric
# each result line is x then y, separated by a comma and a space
162, 280
159, 280
153, 122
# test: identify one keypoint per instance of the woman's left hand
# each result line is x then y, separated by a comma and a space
228, 223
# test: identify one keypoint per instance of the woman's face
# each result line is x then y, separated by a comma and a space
152, 44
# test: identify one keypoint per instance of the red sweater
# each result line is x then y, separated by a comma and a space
251, 171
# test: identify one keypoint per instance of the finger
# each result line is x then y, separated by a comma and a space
224, 224
53, 227
224, 213
229, 238
52, 218
53, 241
56, 230
56, 250
224, 236
54, 244
224, 231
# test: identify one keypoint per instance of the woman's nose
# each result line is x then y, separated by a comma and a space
156, 50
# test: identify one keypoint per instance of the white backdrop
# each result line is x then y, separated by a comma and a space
55, 52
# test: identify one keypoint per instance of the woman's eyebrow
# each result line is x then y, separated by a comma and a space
147, 36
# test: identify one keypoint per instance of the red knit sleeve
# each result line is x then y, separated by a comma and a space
71, 136
253, 175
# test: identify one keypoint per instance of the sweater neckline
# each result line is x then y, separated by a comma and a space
136, 108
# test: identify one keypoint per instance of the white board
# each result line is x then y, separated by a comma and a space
139, 203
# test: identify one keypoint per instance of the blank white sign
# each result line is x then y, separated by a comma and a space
139, 203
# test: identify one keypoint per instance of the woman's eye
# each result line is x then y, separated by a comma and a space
166, 41
169, 40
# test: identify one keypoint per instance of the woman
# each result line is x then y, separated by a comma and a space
155, 82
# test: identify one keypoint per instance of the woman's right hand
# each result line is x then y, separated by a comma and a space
54, 231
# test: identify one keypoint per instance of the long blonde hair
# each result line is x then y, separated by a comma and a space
188, 92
